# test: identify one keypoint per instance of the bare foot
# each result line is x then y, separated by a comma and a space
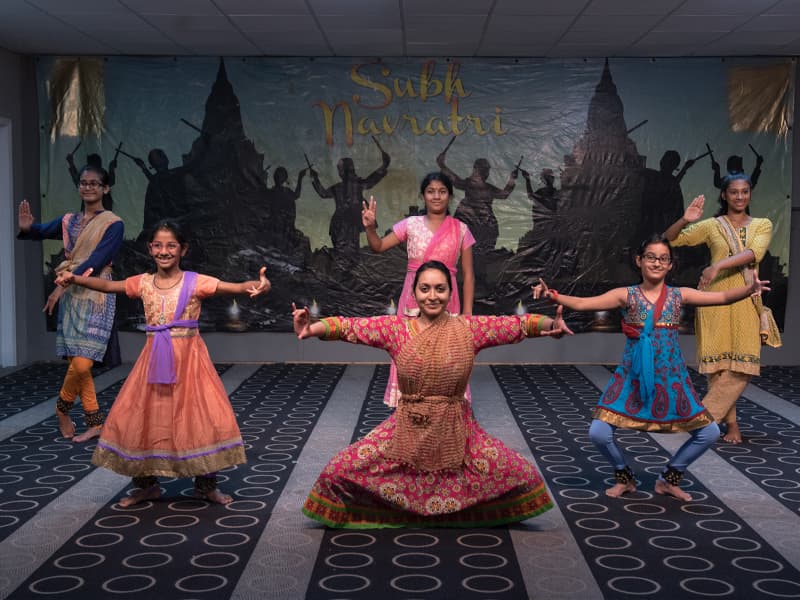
214, 496
65, 425
619, 489
90, 433
734, 434
149, 493
664, 488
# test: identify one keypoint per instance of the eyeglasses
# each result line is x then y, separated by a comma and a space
158, 246
91, 185
652, 259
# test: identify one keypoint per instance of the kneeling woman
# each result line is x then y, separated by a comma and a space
430, 463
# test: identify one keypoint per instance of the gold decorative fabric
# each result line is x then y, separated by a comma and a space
761, 98
77, 97
433, 371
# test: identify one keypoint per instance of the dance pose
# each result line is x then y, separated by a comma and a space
651, 389
729, 338
430, 463
92, 237
172, 416
435, 235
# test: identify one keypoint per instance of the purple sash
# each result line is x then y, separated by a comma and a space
161, 368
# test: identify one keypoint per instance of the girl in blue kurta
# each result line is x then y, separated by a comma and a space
651, 389
92, 237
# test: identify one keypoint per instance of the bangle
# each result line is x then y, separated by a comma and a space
552, 295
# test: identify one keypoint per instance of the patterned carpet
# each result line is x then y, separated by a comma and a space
62, 533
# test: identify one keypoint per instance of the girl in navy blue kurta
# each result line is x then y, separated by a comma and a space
92, 238
651, 389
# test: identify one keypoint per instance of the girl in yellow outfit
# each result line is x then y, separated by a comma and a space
728, 337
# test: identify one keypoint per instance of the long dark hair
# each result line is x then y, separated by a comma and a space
102, 175
426, 181
726, 182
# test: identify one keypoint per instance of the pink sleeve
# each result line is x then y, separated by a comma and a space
387, 332
467, 238
400, 229
133, 286
489, 331
206, 286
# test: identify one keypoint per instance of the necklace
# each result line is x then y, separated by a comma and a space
169, 287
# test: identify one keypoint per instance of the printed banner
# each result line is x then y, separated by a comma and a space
561, 168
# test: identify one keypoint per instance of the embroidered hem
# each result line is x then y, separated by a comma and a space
628, 422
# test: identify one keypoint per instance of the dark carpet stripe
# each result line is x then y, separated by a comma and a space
179, 547
643, 544
38, 464
784, 382
413, 563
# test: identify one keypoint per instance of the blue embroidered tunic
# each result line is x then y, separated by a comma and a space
673, 405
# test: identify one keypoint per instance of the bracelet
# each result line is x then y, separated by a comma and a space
552, 295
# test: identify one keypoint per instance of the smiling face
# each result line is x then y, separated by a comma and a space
737, 196
655, 262
91, 187
432, 292
166, 250
437, 197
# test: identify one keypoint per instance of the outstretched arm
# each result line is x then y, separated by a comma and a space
253, 288
701, 298
93, 283
303, 327
692, 213
615, 298
376, 243
740, 259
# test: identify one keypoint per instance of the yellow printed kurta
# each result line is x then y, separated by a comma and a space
727, 336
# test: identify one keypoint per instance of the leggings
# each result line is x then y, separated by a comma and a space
79, 382
602, 434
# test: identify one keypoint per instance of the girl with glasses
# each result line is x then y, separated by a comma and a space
92, 237
651, 389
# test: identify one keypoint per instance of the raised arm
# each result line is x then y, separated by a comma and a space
252, 288
376, 243
616, 298
692, 213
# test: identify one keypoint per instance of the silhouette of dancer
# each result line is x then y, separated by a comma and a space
166, 189
734, 165
281, 201
475, 209
546, 197
662, 197
346, 227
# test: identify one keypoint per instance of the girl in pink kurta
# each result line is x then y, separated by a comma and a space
434, 235
172, 417
430, 463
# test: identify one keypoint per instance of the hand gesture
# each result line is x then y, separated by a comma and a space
759, 286
301, 318
368, 214
65, 279
525, 174
695, 209
540, 290
24, 216
264, 284
559, 328
52, 300
707, 276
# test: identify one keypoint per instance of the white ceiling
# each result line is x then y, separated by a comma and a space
518, 28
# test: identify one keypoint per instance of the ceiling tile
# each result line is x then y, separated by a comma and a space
640, 23
786, 7
172, 7
170, 23
773, 23
297, 24
447, 7
631, 7
723, 7
262, 7
57, 7
528, 24
709, 24
539, 7
356, 8
362, 22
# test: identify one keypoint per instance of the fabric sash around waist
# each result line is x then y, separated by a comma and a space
430, 433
